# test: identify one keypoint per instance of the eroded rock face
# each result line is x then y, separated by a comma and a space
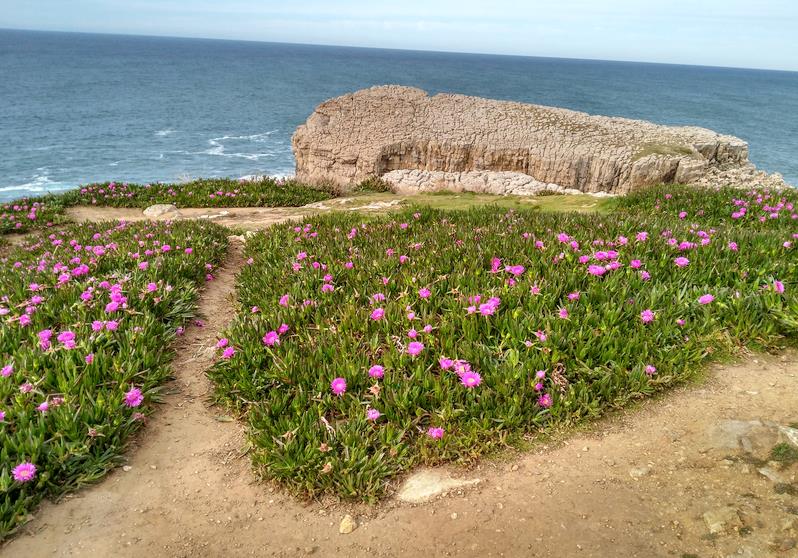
375, 131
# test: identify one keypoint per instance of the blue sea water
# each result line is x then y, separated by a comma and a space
76, 108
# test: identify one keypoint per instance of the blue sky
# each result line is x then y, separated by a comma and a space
743, 33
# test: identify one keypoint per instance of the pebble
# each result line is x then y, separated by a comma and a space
639, 472
348, 524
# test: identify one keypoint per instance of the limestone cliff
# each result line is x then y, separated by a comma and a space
391, 128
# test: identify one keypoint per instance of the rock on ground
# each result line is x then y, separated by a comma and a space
391, 128
161, 209
428, 483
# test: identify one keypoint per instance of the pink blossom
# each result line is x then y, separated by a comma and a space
222, 343
681, 261
545, 401
470, 379
7, 370
89, 358
435, 433
563, 313
414, 348
412, 334
705, 299
376, 371
373, 414
284, 300
445, 363
424, 292
647, 316
650, 369
271, 338
338, 386
377, 314
24, 472
133, 398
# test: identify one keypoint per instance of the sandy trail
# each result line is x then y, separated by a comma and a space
635, 484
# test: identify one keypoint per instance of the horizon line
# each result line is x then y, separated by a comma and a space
467, 53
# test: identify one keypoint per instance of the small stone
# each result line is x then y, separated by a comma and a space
160, 209
721, 519
348, 524
126, 468
639, 472
772, 474
454, 515
428, 483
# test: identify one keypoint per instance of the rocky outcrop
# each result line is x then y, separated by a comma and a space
375, 131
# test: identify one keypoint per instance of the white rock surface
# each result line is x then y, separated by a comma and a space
429, 483
161, 209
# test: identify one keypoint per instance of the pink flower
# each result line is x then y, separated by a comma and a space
705, 299
778, 286
574, 296
597, 270
7, 370
650, 369
284, 300
24, 472
435, 433
228, 353
282, 329
545, 401
515, 269
376, 371
338, 386
647, 316
152, 287
635, 264
541, 335
222, 343
414, 348
133, 398
272, 338
377, 314
424, 292
470, 379
89, 358
412, 334
681, 261
43, 407
563, 313
733, 246
373, 414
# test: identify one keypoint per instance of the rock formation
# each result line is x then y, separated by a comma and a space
419, 142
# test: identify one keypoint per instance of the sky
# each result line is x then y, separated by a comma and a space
738, 33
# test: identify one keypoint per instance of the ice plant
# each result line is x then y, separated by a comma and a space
376, 371
436, 433
414, 348
470, 379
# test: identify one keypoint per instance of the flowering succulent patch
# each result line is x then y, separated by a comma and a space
26, 214
84, 335
212, 192
443, 336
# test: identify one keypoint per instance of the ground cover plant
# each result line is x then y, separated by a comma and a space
26, 214
87, 314
364, 347
207, 192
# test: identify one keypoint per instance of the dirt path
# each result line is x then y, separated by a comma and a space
637, 484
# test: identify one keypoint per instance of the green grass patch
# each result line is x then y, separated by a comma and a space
554, 317
784, 453
209, 192
663, 149
87, 316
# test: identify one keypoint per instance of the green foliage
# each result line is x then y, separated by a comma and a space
207, 192
373, 184
784, 453
27, 214
600, 357
64, 412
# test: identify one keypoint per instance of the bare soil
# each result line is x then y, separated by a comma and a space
636, 484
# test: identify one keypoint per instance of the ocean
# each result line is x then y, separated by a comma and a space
77, 108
